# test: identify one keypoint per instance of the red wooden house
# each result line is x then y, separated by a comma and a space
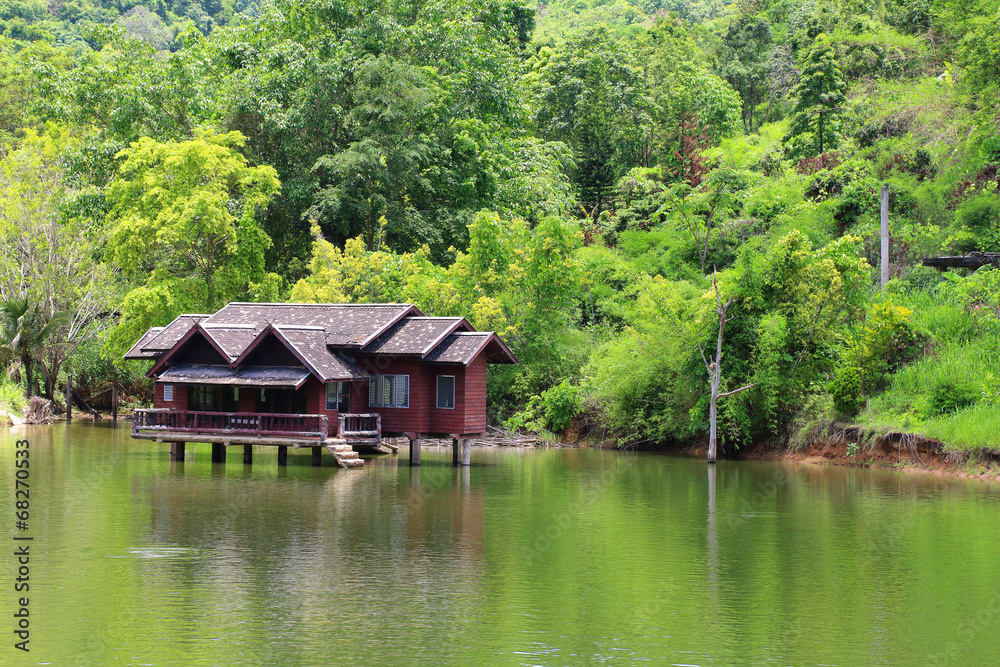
334, 375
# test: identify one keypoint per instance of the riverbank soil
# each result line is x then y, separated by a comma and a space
851, 445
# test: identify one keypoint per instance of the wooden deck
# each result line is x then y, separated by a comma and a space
223, 429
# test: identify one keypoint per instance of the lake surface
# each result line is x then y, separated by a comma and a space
529, 557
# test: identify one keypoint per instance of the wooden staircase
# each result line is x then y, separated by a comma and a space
345, 455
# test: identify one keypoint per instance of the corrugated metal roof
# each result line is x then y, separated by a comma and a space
413, 335
310, 343
136, 351
256, 376
172, 333
344, 324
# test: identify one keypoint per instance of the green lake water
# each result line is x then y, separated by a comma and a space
528, 557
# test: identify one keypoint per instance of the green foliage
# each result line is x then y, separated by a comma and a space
552, 410
820, 93
951, 394
590, 97
977, 223
847, 391
885, 341
183, 228
11, 396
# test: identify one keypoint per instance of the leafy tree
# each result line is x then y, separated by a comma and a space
591, 98
820, 93
24, 333
183, 223
378, 176
680, 86
57, 292
744, 63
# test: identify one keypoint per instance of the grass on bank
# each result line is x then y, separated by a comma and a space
953, 393
12, 396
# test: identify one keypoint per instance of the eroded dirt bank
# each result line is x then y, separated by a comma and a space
851, 445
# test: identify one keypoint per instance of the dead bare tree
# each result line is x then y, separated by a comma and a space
713, 368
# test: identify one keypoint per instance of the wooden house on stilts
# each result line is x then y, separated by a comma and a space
336, 376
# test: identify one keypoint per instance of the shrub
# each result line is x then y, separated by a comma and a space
950, 395
846, 390
979, 216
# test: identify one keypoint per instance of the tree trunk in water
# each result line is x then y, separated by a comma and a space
69, 399
713, 416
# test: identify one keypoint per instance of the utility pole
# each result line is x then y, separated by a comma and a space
885, 234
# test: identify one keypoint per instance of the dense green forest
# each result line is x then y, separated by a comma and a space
573, 175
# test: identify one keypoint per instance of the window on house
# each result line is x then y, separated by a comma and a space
389, 391
446, 391
168, 393
338, 396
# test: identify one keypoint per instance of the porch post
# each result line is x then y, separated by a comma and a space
466, 451
247, 454
414, 451
218, 452
317, 456
282, 455
454, 451
177, 451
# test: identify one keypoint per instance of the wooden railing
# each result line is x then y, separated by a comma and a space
231, 423
359, 425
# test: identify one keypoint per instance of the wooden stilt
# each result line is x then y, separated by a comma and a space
466, 452
114, 399
454, 451
177, 451
415, 452
317, 458
218, 452
69, 399
282, 455
247, 454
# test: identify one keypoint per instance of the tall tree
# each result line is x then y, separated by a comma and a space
820, 94
744, 63
183, 220
591, 98
49, 266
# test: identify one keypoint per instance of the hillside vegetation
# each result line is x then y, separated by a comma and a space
573, 176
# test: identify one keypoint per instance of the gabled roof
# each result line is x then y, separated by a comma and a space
415, 335
163, 361
462, 347
172, 333
232, 339
308, 345
347, 325
312, 332
136, 351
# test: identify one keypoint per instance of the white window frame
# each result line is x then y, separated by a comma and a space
168, 393
454, 391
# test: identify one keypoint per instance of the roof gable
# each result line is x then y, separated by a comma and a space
195, 346
463, 347
306, 345
416, 335
345, 325
136, 351
171, 334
